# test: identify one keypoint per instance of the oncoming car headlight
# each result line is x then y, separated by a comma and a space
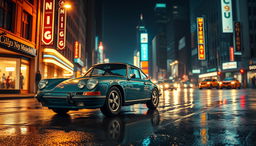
81, 84
42, 84
92, 83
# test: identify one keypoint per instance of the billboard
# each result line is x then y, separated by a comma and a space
229, 65
61, 38
144, 52
200, 38
227, 16
143, 38
48, 22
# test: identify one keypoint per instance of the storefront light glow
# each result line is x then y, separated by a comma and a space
57, 54
51, 56
57, 63
9, 69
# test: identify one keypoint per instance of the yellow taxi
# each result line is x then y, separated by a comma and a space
230, 83
209, 83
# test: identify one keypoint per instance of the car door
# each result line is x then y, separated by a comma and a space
147, 84
135, 86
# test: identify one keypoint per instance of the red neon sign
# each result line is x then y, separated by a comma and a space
231, 54
200, 38
61, 39
48, 22
77, 50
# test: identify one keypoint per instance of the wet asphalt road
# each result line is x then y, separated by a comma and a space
184, 117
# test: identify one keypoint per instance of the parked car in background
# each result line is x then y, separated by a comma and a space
209, 84
230, 83
106, 86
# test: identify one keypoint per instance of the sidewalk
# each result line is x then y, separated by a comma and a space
16, 96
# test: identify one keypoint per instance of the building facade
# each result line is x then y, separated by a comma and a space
18, 43
226, 39
63, 56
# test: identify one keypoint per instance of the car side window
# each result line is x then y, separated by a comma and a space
143, 76
134, 73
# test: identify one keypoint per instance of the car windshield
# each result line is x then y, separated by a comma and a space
207, 80
107, 70
229, 79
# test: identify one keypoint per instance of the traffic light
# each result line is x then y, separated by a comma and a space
242, 71
219, 73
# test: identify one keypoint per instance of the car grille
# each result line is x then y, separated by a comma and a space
203, 83
226, 83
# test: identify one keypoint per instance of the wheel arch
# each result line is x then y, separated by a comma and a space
121, 90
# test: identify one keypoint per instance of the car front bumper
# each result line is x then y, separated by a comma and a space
70, 100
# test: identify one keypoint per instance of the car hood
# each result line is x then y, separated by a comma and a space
69, 85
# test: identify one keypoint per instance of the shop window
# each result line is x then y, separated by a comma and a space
7, 13
26, 25
9, 71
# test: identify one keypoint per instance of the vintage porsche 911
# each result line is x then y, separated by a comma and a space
106, 86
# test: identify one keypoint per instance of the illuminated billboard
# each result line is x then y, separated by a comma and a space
61, 38
200, 38
227, 16
229, 65
48, 22
144, 38
144, 52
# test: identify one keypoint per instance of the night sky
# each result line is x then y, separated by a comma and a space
120, 18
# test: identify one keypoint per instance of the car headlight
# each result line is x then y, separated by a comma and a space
175, 85
166, 85
42, 84
92, 83
185, 85
208, 83
81, 84
191, 85
220, 83
233, 82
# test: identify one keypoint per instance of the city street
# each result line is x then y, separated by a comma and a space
184, 117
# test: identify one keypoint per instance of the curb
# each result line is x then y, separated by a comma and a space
16, 97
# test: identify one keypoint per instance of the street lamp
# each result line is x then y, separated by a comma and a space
67, 5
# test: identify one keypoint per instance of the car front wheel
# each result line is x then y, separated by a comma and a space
153, 103
112, 105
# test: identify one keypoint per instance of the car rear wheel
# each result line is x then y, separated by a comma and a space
153, 103
61, 111
112, 105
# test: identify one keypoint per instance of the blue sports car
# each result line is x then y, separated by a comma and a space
106, 86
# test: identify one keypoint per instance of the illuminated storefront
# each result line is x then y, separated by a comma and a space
16, 57
55, 65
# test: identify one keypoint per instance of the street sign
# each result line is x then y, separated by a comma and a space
48, 22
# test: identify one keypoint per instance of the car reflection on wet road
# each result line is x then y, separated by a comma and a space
184, 117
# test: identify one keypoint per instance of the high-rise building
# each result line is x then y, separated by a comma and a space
178, 40
158, 56
142, 45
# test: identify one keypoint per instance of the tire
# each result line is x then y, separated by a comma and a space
60, 111
113, 103
200, 88
154, 101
